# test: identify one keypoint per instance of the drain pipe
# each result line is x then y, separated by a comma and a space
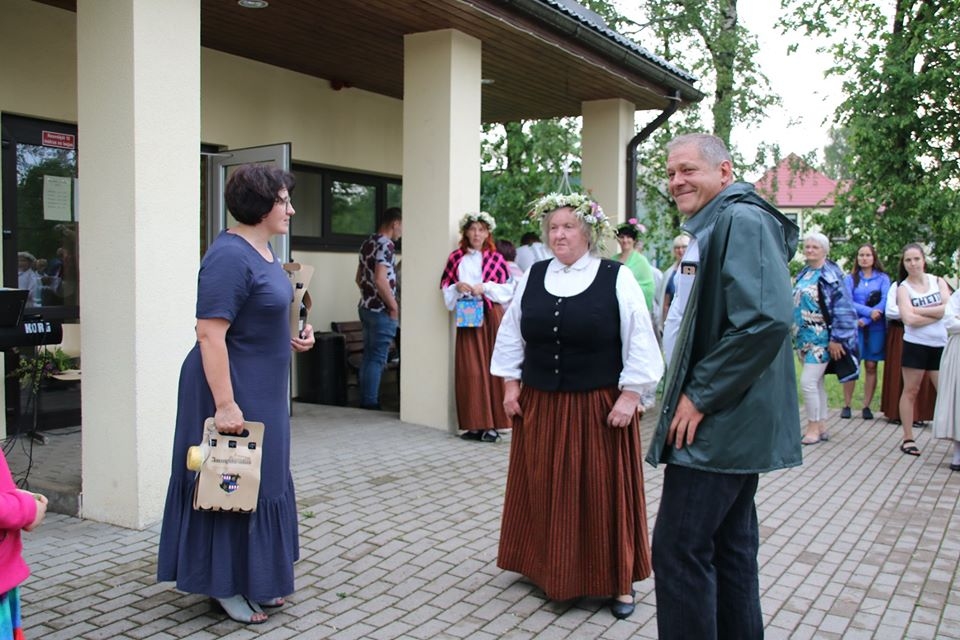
645, 133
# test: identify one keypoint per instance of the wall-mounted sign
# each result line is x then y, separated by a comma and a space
58, 140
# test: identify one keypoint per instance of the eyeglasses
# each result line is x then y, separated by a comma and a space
287, 204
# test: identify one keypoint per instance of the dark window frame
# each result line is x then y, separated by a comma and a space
328, 240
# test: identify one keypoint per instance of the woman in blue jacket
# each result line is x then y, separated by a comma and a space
825, 329
868, 284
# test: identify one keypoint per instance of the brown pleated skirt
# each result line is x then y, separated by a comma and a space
479, 394
893, 381
574, 516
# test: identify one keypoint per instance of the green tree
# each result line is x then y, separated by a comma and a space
523, 160
707, 38
900, 62
835, 154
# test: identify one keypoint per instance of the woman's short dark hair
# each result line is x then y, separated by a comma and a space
252, 191
628, 230
529, 238
507, 250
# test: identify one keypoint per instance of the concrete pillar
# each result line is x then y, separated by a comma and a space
138, 96
607, 128
441, 182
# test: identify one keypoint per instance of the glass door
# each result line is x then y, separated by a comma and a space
219, 167
39, 171
40, 225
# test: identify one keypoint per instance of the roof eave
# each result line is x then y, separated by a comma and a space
604, 42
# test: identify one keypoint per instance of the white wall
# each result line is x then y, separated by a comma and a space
38, 52
247, 103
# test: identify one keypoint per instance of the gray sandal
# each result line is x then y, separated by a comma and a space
241, 609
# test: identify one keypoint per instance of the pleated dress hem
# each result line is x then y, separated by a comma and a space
187, 556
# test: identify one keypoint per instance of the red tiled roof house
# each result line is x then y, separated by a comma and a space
797, 189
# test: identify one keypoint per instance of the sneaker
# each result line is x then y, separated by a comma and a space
845, 413
867, 414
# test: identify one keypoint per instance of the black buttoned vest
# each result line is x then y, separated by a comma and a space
573, 343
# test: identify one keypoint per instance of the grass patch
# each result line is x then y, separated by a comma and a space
835, 389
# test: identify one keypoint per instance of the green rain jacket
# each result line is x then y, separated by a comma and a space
733, 356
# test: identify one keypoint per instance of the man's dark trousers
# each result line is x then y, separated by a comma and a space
705, 545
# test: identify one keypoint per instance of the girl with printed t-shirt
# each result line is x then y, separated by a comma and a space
921, 299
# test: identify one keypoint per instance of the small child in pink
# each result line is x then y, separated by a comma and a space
24, 510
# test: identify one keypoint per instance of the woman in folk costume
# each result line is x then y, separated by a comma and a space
475, 270
578, 352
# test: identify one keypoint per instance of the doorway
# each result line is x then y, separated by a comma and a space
40, 172
219, 167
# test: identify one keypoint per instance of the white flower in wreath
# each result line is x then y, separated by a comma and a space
483, 216
584, 207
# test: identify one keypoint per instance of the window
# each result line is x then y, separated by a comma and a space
337, 210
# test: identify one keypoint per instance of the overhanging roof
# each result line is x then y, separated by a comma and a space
545, 57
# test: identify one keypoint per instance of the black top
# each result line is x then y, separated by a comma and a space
573, 343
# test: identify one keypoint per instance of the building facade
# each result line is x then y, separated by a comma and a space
128, 114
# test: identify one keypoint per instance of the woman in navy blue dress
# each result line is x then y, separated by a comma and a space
868, 285
237, 371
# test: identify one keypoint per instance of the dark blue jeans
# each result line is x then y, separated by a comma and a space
378, 330
705, 545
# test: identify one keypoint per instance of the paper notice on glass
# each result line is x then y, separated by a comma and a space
57, 198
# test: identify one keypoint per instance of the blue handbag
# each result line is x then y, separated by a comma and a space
470, 312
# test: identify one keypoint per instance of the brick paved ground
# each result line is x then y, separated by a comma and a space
399, 531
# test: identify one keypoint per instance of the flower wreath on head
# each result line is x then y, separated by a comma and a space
634, 224
483, 216
584, 207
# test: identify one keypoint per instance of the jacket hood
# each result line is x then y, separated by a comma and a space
743, 192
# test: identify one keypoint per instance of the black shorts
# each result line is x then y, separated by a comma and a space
920, 356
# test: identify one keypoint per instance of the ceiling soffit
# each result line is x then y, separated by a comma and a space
542, 61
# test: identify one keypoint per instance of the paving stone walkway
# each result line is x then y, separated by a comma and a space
399, 527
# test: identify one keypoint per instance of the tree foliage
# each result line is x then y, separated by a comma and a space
835, 153
707, 38
523, 160
900, 61
704, 37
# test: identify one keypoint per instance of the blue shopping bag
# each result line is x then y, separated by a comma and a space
470, 312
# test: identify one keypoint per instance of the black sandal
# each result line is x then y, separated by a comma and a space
490, 435
909, 447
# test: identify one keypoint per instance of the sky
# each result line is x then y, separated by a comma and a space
808, 98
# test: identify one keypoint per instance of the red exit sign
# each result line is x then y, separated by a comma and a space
58, 140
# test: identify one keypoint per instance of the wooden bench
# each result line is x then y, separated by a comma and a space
352, 331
